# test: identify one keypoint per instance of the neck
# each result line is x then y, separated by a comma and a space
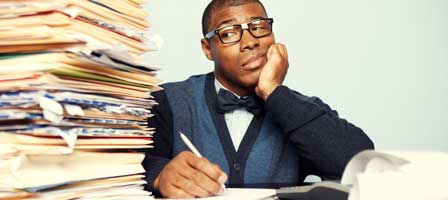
237, 89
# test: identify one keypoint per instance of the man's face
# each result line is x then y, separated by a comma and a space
238, 65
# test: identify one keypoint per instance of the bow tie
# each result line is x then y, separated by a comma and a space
228, 102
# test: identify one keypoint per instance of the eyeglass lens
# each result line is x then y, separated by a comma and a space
258, 28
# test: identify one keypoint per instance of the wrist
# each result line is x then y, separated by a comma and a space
267, 91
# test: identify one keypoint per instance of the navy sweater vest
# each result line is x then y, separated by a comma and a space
264, 156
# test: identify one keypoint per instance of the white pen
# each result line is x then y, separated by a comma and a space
194, 150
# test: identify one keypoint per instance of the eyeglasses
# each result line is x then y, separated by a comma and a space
232, 34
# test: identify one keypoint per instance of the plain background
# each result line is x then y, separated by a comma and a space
382, 64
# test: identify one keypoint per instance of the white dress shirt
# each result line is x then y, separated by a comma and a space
237, 121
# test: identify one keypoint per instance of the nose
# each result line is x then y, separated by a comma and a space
248, 41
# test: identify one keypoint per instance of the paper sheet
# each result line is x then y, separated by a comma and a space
244, 193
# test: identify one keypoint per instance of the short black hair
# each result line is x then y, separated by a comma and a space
216, 5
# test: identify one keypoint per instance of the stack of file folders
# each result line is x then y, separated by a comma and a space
75, 98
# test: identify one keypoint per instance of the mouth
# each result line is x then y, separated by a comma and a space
254, 62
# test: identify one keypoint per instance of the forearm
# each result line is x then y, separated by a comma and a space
325, 140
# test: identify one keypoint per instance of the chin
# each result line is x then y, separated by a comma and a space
249, 82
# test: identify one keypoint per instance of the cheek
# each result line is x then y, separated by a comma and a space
228, 59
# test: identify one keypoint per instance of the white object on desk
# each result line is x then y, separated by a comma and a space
189, 145
397, 175
244, 193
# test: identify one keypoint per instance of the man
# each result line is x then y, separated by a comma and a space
249, 127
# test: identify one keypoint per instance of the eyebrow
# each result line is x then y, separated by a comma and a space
233, 20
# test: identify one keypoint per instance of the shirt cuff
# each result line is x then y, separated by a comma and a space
290, 109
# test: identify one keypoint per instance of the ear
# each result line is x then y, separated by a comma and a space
206, 49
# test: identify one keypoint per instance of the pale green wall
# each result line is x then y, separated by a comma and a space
383, 64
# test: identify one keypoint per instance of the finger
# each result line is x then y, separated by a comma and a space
203, 180
189, 185
171, 191
286, 51
203, 165
271, 51
207, 183
283, 51
200, 164
217, 167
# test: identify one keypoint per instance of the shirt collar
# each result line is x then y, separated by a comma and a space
218, 86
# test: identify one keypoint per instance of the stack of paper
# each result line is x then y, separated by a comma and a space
74, 99
30, 25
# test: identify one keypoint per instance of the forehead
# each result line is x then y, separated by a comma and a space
236, 14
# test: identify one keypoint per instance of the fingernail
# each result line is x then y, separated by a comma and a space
222, 178
221, 191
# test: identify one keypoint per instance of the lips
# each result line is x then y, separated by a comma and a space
254, 62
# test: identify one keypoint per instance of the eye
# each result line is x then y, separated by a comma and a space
228, 34
258, 28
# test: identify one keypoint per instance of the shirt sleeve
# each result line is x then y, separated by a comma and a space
325, 141
156, 158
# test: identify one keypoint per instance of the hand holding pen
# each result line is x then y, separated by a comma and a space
188, 175
194, 150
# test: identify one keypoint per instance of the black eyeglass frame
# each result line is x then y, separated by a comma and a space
243, 27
